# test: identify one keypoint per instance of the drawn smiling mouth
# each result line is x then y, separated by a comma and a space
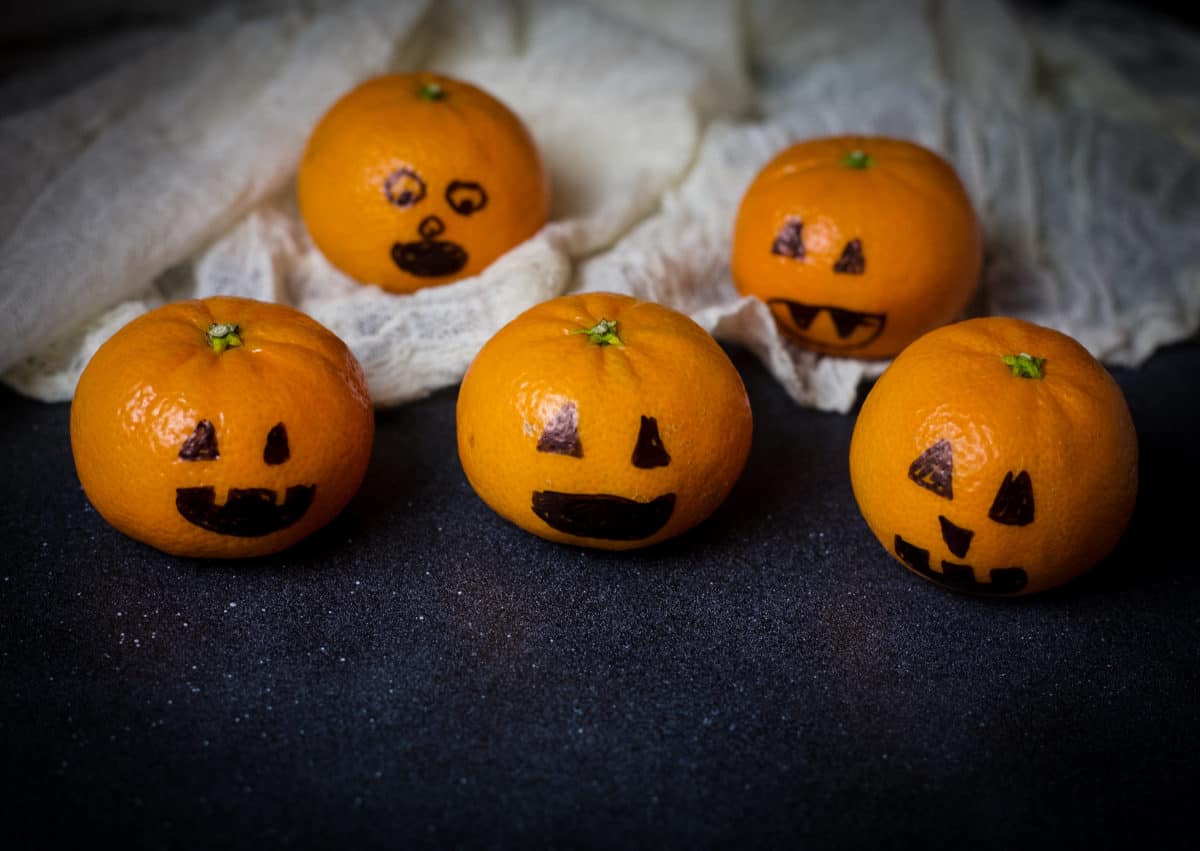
247, 512
854, 328
604, 516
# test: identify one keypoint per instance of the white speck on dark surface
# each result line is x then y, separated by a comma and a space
770, 678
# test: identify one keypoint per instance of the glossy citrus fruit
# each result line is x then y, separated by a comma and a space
858, 244
601, 420
221, 427
995, 456
412, 180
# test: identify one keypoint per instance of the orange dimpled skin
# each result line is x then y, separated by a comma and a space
995, 457
415, 180
603, 421
221, 428
858, 244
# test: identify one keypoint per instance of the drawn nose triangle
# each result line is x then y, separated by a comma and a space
432, 227
958, 539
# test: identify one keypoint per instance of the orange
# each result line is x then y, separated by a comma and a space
221, 427
858, 244
413, 180
603, 421
995, 456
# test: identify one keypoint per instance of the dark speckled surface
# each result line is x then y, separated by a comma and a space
420, 673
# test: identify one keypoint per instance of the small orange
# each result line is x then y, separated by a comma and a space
413, 180
604, 421
995, 456
221, 427
858, 244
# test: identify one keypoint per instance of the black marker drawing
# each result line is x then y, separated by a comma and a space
934, 469
561, 434
852, 261
649, 451
1014, 501
789, 242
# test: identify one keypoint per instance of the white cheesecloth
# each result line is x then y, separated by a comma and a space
159, 165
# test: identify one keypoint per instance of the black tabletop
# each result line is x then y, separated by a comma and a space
422, 674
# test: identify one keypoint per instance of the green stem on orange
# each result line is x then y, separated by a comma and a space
222, 336
433, 92
1025, 365
603, 333
858, 159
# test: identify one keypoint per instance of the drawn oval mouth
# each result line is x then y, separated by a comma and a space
247, 512
602, 515
429, 258
854, 328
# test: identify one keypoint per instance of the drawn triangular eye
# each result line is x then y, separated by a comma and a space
561, 434
650, 451
1013, 505
201, 444
934, 469
852, 261
276, 451
789, 242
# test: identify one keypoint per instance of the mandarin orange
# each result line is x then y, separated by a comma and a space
603, 421
858, 244
221, 427
413, 180
996, 457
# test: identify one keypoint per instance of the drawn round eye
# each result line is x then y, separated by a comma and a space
404, 187
466, 197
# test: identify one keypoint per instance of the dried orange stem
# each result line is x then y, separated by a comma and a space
432, 91
222, 336
1025, 365
858, 159
603, 333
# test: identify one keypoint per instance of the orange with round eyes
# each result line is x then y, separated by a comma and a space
413, 180
995, 457
858, 244
221, 428
603, 421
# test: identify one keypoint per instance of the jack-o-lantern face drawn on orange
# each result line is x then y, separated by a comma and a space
430, 256
418, 180
851, 329
247, 512
603, 516
602, 421
858, 245
1012, 505
221, 428
996, 457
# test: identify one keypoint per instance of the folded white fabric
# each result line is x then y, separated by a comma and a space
170, 175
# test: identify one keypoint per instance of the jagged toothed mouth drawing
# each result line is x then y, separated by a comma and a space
853, 329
